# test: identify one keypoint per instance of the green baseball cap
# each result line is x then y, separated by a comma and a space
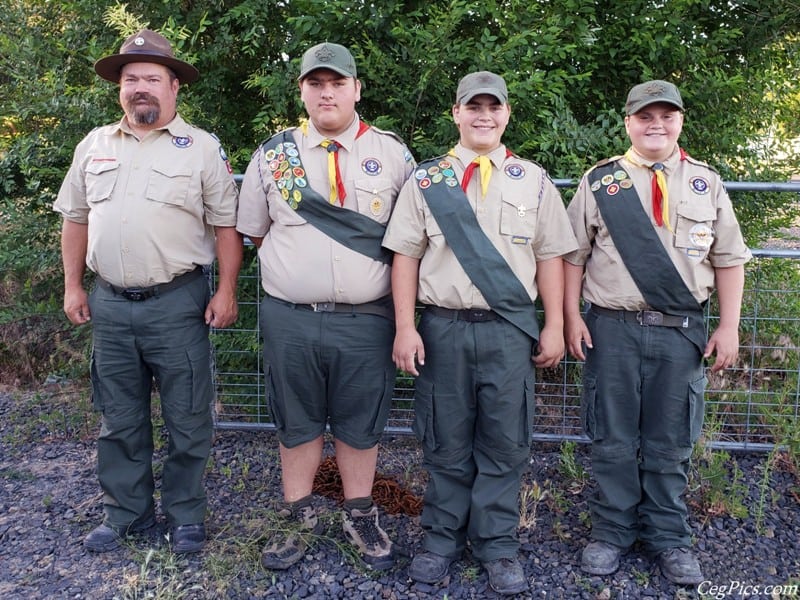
481, 82
328, 56
650, 92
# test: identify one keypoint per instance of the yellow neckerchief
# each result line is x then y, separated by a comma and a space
485, 166
660, 184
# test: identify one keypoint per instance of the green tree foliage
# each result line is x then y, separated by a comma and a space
568, 65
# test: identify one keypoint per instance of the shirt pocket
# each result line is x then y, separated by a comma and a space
694, 228
374, 197
518, 220
101, 177
169, 184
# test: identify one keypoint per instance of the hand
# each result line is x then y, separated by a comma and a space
407, 349
725, 342
76, 305
576, 333
222, 310
550, 349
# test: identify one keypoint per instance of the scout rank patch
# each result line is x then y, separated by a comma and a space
436, 173
371, 166
284, 164
182, 142
515, 171
699, 185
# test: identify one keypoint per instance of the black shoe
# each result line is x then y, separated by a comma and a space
506, 576
105, 538
429, 567
188, 538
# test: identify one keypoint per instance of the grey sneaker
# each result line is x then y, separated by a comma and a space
429, 567
680, 566
363, 531
506, 576
288, 544
600, 558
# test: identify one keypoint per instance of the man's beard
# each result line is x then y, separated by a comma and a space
144, 114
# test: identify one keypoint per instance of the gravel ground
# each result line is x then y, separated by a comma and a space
49, 499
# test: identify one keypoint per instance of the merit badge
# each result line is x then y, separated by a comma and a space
269, 155
607, 179
298, 172
612, 189
292, 152
300, 182
521, 211
420, 173
278, 148
699, 185
437, 177
182, 142
595, 186
294, 161
448, 172
424, 184
285, 193
433, 170
287, 183
701, 235
371, 166
297, 195
515, 171
445, 164
276, 175
273, 165
451, 181
626, 184
620, 175
376, 206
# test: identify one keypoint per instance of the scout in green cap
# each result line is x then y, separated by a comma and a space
315, 200
657, 234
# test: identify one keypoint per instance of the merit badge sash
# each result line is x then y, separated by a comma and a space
348, 227
641, 250
476, 253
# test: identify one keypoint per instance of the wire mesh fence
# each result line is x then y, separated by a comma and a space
752, 406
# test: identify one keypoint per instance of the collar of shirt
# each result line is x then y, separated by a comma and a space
496, 156
346, 139
176, 128
670, 163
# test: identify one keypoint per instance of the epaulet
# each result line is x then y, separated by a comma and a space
700, 163
389, 133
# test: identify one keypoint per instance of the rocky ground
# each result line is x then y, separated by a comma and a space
49, 499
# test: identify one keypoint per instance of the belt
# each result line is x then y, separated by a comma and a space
137, 294
472, 315
645, 318
382, 307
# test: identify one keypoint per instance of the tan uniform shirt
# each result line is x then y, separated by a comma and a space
150, 204
301, 264
706, 233
522, 214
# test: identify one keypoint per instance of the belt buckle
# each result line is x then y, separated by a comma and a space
323, 306
650, 318
134, 294
478, 315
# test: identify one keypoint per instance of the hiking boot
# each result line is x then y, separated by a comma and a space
288, 544
506, 576
363, 531
429, 567
600, 558
105, 538
187, 539
680, 566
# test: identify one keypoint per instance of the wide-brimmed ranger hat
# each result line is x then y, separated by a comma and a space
149, 47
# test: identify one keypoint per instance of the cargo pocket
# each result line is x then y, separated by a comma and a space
424, 425
589, 416
202, 388
697, 390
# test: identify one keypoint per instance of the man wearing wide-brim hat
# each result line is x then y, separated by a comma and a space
148, 204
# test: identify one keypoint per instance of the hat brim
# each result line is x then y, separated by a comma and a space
341, 72
109, 67
487, 91
645, 103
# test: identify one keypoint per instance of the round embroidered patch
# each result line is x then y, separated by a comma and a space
451, 181
626, 184
300, 182
612, 189
699, 185
425, 183
701, 235
437, 177
595, 186
371, 166
620, 175
515, 171
607, 179
184, 142
420, 173
445, 164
